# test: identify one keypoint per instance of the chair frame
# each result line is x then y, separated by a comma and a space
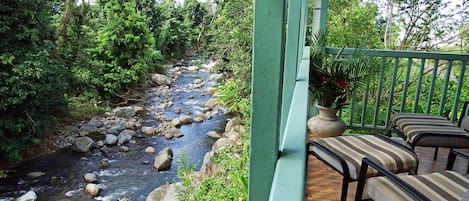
345, 170
417, 138
414, 193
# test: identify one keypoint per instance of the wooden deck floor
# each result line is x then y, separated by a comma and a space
323, 183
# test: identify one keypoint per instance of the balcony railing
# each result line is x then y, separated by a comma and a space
408, 81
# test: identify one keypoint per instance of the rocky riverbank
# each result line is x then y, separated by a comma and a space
174, 119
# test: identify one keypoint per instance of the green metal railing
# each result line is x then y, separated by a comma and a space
408, 81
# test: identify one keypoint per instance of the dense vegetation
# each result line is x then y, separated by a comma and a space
61, 57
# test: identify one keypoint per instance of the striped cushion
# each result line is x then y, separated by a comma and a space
446, 185
353, 148
413, 125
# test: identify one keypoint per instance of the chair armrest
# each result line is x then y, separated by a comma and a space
463, 112
414, 193
452, 157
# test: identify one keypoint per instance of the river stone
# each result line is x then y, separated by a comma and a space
149, 150
90, 178
210, 103
111, 139
104, 163
125, 112
231, 124
83, 144
185, 119
166, 192
197, 81
34, 175
123, 138
29, 196
176, 122
193, 68
96, 123
172, 132
233, 136
87, 129
196, 86
199, 119
124, 149
163, 160
100, 143
117, 129
148, 130
160, 80
92, 189
213, 134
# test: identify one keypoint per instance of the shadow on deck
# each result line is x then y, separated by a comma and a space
323, 183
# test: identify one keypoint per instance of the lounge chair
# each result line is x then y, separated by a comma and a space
345, 153
428, 130
440, 186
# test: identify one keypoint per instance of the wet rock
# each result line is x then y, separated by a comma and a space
191, 97
193, 68
124, 149
125, 112
132, 133
100, 143
117, 129
213, 134
131, 124
92, 189
199, 119
104, 163
177, 110
110, 139
185, 119
149, 150
167, 192
90, 178
176, 123
123, 138
163, 160
211, 90
210, 103
83, 144
160, 80
34, 175
149, 130
172, 132
197, 81
146, 162
96, 123
29, 196
233, 136
196, 86
87, 130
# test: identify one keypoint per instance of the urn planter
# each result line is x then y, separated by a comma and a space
326, 123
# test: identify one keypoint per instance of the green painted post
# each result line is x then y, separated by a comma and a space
432, 85
292, 55
266, 95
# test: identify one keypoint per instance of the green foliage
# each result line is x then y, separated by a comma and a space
230, 95
124, 51
31, 83
229, 182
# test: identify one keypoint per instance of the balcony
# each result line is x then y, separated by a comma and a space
421, 82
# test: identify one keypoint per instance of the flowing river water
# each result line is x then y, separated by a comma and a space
128, 175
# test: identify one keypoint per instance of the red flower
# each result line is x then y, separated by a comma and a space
342, 84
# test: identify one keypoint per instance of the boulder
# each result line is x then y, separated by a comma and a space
163, 160
167, 192
215, 77
213, 134
95, 123
160, 80
172, 132
197, 81
34, 175
232, 123
149, 150
87, 130
83, 144
110, 139
124, 149
92, 189
125, 112
233, 136
100, 143
149, 130
221, 143
199, 119
117, 129
90, 178
132, 133
123, 138
208, 168
104, 163
193, 68
185, 119
210, 103
29, 196
176, 122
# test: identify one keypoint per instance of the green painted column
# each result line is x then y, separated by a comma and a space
267, 71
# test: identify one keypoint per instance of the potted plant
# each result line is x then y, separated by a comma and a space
333, 78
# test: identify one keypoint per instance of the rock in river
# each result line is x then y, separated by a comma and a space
83, 144
163, 160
